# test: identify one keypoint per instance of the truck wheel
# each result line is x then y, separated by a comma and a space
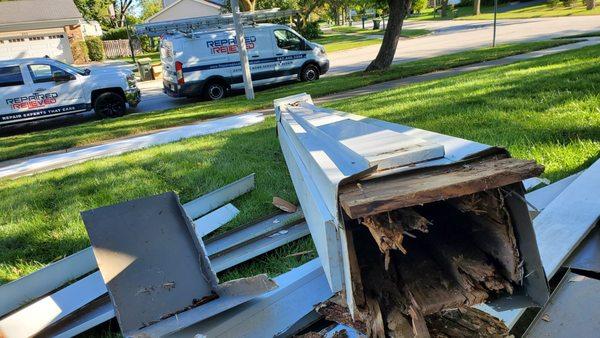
215, 90
110, 105
309, 73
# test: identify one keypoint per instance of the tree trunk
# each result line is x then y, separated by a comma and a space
591, 4
476, 7
398, 11
444, 8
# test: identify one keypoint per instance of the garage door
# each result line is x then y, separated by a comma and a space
54, 45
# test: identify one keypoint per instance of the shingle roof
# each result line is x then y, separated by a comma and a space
37, 10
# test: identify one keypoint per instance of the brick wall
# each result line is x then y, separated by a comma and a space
75, 35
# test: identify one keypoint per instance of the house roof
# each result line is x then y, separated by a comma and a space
48, 13
211, 3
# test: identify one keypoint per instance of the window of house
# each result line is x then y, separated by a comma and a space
10, 76
287, 40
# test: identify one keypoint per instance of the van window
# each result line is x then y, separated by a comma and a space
10, 76
42, 73
287, 40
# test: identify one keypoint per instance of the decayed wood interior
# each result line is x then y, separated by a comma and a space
424, 266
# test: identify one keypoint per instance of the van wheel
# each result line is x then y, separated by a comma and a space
215, 90
110, 105
309, 73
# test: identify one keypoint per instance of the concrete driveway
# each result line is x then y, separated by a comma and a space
448, 37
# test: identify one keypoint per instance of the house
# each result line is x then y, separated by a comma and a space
36, 28
91, 28
183, 9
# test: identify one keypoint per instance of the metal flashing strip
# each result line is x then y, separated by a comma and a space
272, 313
27, 288
214, 220
572, 310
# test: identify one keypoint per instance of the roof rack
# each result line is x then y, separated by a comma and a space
212, 21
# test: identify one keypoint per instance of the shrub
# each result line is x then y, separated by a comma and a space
418, 6
569, 3
311, 30
115, 34
553, 3
95, 48
80, 52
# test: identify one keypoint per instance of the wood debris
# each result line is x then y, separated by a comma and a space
284, 205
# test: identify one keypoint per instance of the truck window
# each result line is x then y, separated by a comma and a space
10, 76
42, 73
287, 40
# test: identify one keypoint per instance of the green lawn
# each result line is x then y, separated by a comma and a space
100, 130
409, 33
547, 109
582, 35
339, 42
505, 12
155, 57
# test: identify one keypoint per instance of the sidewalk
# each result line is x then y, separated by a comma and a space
40, 163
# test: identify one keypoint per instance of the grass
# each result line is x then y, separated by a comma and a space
505, 12
154, 56
100, 130
582, 35
339, 42
547, 109
409, 33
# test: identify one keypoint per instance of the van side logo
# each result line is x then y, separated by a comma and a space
229, 46
32, 101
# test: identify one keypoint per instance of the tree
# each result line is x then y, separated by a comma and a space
121, 11
149, 8
398, 10
248, 5
476, 7
591, 4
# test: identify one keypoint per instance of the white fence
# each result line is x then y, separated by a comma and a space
120, 48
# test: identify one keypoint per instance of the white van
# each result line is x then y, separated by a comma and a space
207, 63
37, 88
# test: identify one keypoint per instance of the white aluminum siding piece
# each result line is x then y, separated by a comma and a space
216, 198
542, 197
61, 160
33, 318
21, 291
258, 247
267, 315
214, 220
561, 226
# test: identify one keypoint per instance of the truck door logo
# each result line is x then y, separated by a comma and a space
32, 101
229, 46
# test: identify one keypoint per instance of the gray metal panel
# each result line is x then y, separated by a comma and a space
587, 255
572, 311
148, 258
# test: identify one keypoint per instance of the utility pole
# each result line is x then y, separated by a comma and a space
495, 12
241, 43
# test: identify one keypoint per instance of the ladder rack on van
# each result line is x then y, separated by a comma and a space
207, 22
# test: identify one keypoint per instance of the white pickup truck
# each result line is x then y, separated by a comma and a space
38, 88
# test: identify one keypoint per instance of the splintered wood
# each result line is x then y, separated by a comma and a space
431, 244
